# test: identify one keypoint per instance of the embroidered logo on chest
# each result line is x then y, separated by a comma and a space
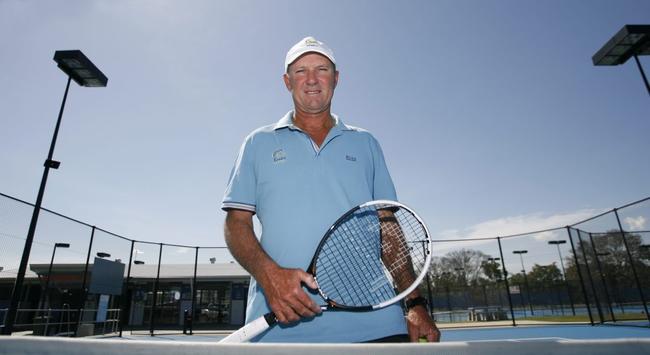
279, 156
350, 158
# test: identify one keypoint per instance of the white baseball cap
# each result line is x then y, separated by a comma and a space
306, 45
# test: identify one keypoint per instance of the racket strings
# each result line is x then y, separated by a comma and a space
369, 258
410, 239
353, 251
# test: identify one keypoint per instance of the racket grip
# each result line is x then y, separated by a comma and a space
252, 329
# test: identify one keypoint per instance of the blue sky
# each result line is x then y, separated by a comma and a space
492, 118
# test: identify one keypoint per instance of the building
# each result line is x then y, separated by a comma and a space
219, 296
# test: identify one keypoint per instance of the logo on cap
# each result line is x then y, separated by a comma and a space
311, 42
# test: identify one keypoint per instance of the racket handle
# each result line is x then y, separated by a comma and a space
252, 329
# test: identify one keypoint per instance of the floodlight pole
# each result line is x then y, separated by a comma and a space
20, 278
80, 69
645, 79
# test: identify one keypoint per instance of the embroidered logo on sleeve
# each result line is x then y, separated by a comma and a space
279, 156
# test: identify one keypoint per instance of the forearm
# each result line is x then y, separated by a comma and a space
244, 246
282, 287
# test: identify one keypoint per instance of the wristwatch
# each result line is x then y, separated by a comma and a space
417, 301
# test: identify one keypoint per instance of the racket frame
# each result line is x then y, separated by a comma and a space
425, 267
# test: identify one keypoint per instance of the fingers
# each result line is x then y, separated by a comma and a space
421, 326
307, 279
287, 299
433, 336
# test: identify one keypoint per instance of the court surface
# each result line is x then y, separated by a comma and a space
519, 333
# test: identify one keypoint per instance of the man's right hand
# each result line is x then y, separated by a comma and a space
285, 296
282, 287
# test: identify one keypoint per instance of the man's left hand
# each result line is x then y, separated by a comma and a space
420, 325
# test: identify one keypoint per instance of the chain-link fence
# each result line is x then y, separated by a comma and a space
593, 271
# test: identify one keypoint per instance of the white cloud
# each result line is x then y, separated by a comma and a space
519, 224
635, 224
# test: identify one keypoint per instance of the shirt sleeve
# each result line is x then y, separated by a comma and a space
241, 190
383, 188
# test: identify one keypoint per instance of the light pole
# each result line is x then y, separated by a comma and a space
629, 41
523, 271
80, 69
557, 243
49, 274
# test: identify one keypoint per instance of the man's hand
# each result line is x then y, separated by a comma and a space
282, 287
285, 296
420, 325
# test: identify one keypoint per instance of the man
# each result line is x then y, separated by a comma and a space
299, 175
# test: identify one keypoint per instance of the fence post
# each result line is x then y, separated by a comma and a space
152, 317
629, 256
47, 321
602, 277
82, 301
582, 282
505, 281
591, 280
126, 288
196, 262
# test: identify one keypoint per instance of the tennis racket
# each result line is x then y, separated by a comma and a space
371, 257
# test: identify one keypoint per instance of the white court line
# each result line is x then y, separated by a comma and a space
517, 340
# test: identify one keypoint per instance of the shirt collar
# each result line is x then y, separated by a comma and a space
287, 122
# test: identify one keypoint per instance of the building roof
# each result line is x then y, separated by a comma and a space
144, 271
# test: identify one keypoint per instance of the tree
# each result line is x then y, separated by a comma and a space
544, 275
465, 265
492, 270
612, 255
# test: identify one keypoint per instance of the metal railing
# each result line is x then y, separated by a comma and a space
63, 321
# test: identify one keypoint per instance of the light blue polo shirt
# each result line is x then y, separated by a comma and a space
298, 191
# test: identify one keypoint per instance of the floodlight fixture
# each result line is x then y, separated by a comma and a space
629, 41
80, 68
101, 254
